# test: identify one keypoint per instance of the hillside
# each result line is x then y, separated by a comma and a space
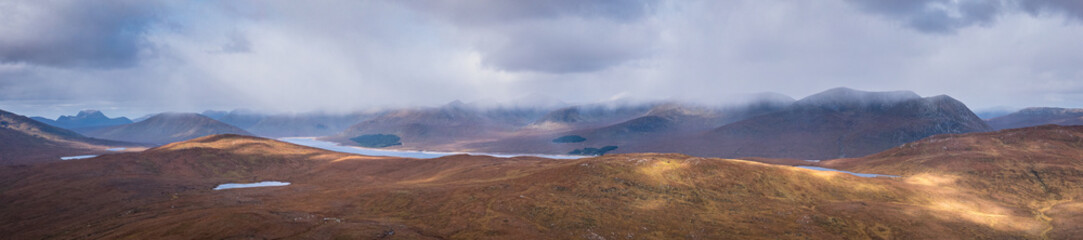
334, 195
1029, 117
23, 141
1035, 169
166, 128
837, 123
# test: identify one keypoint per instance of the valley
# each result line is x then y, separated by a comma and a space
499, 178
552, 119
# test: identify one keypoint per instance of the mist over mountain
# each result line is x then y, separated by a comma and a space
288, 125
836, 123
851, 124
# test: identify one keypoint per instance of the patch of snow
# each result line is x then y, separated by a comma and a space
77, 157
251, 185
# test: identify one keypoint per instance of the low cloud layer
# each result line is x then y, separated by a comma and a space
135, 57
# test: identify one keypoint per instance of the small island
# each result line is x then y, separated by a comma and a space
377, 140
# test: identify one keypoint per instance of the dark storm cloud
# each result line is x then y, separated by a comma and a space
281, 55
560, 36
1073, 8
946, 16
99, 34
935, 16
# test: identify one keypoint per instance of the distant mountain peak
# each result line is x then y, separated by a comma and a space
167, 127
847, 97
1034, 116
90, 112
85, 119
85, 114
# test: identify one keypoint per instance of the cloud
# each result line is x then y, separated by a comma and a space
1071, 8
278, 55
564, 36
947, 16
499, 12
935, 16
71, 33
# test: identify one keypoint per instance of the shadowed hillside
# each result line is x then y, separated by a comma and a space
837, 123
23, 140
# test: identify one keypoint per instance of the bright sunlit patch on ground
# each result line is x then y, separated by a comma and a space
851, 173
251, 185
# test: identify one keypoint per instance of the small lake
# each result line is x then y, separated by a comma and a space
251, 185
77, 157
851, 173
312, 142
116, 149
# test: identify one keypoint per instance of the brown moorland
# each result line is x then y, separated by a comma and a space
1036, 169
165, 193
26, 141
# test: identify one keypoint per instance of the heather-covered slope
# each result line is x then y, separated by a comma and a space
166, 193
1035, 170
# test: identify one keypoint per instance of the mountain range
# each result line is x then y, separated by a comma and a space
839, 123
836, 123
84, 120
24, 141
166, 128
1038, 116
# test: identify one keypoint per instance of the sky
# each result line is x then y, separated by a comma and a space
133, 57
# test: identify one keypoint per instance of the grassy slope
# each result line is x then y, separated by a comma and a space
1036, 170
164, 193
